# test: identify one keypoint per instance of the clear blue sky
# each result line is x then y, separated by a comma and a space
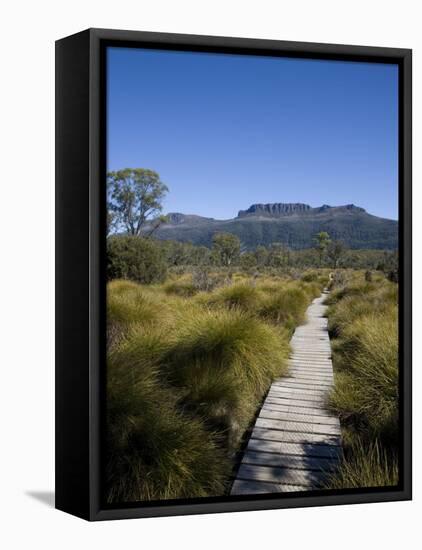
226, 131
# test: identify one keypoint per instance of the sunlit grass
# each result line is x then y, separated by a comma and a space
363, 320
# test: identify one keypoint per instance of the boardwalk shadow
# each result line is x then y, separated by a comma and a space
321, 462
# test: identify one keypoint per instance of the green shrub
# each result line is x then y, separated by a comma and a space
314, 276
310, 276
154, 451
135, 258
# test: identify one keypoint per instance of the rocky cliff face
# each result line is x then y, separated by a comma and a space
277, 209
176, 218
274, 209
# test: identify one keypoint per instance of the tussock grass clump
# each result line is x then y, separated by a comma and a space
273, 284
130, 304
313, 290
366, 465
154, 451
314, 276
381, 300
223, 361
181, 288
310, 276
357, 289
368, 389
119, 287
363, 319
286, 307
239, 296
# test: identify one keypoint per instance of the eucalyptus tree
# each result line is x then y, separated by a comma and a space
134, 197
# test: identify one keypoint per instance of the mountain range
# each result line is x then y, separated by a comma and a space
292, 224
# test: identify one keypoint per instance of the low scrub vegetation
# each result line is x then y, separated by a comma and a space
364, 326
136, 259
187, 370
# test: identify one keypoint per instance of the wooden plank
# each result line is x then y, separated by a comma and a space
296, 403
305, 383
310, 450
298, 399
281, 389
242, 487
302, 377
299, 377
288, 476
310, 365
295, 409
298, 374
293, 392
295, 383
297, 427
295, 437
290, 461
304, 380
287, 416
314, 377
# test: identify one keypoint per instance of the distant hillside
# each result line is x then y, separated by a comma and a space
293, 224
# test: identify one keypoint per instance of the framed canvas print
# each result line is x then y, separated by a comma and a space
233, 274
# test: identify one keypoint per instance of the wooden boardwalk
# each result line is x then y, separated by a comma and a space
295, 442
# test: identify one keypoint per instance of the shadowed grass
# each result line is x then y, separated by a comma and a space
154, 450
223, 362
366, 465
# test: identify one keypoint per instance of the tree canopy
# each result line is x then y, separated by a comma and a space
226, 248
335, 252
321, 240
134, 197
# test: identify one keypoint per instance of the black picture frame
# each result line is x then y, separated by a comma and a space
80, 257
